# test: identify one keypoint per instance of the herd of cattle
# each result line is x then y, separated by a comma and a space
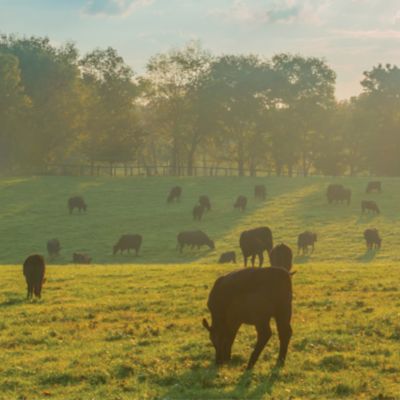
250, 296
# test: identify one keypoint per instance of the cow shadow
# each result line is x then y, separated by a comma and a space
211, 383
368, 256
302, 258
366, 218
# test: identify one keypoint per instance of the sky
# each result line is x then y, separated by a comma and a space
351, 35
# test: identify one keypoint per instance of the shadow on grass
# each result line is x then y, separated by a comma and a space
368, 256
302, 258
13, 300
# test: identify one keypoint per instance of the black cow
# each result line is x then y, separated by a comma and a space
374, 186
204, 201
338, 194
198, 211
254, 242
306, 239
128, 242
372, 239
34, 269
260, 192
174, 194
241, 203
79, 258
53, 247
229, 256
194, 238
369, 205
76, 202
252, 296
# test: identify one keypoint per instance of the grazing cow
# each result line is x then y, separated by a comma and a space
306, 239
368, 205
194, 238
252, 296
174, 194
198, 211
372, 239
53, 247
338, 194
254, 242
76, 202
204, 201
128, 242
241, 203
79, 258
229, 256
34, 270
260, 192
374, 186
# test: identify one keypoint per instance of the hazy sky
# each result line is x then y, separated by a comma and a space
352, 35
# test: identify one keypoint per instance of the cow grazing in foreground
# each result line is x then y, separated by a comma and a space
304, 240
252, 296
128, 242
53, 247
372, 239
374, 186
198, 211
241, 203
228, 257
260, 192
76, 202
254, 242
338, 194
79, 258
174, 194
205, 202
370, 206
34, 269
194, 239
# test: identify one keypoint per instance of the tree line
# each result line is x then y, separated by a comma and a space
191, 108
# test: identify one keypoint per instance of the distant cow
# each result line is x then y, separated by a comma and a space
374, 186
128, 242
34, 270
260, 192
204, 201
76, 202
252, 296
241, 203
372, 239
53, 247
79, 258
194, 239
306, 239
368, 205
174, 194
228, 257
338, 194
198, 211
254, 242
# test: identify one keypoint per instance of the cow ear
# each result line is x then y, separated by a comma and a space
205, 324
292, 273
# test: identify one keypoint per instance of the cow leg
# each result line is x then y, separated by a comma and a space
245, 261
29, 293
263, 335
253, 260
285, 333
261, 259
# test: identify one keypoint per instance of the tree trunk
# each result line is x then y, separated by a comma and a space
240, 159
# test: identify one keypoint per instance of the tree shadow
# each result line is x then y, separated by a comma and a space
368, 256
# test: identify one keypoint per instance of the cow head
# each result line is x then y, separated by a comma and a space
218, 339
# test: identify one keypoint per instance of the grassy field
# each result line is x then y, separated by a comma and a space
130, 327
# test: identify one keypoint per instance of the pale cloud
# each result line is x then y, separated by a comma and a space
114, 8
273, 11
368, 34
